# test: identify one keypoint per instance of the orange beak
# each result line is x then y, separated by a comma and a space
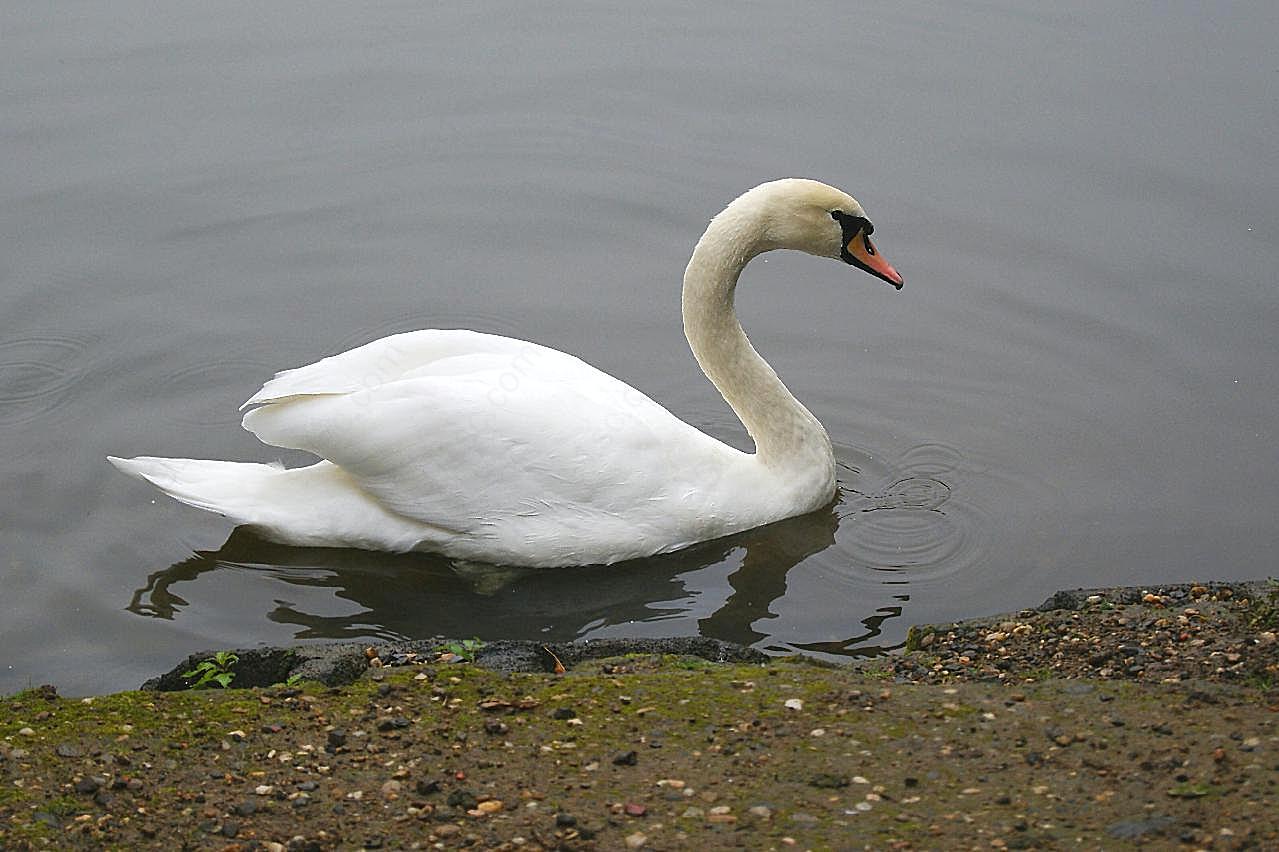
862, 254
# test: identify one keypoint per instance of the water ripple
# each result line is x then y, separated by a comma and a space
37, 374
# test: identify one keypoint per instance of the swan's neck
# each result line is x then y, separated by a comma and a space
787, 437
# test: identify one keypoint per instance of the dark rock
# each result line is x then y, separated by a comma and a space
69, 750
246, 808
828, 781
563, 820
230, 828
1131, 829
626, 758
89, 784
342, 663
393, 723
425, 787
463, 799
337, 739
562, 713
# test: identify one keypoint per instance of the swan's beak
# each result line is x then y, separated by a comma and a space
862, 254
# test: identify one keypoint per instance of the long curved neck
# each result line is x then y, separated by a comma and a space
787, 437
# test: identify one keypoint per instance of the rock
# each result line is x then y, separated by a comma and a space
246, 808
563, 820
828, 781
462, 798
634, 809
336, 739
626, 758
69, 750
636, 840
1131, 829
761, 811
563, 713
393, 723
391, 790
89, 784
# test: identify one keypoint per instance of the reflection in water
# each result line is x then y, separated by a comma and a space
419, 596
832, 583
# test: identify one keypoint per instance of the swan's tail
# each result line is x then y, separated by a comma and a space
317, 505
227, 488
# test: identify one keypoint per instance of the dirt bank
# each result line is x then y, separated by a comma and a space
1108, 718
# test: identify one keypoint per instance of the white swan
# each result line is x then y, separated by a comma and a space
491, 449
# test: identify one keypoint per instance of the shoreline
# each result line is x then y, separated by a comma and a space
1104, 717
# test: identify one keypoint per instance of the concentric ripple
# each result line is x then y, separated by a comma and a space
37, 375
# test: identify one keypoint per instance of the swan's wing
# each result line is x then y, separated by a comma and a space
386, 360
527, 442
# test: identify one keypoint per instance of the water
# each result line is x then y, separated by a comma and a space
1077, 386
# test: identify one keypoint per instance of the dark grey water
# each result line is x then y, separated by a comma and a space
1078, 385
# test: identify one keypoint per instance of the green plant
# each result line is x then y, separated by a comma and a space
465, 649
216, 669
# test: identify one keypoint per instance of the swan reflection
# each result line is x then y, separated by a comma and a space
724, 589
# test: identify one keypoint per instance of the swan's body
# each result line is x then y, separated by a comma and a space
491, 449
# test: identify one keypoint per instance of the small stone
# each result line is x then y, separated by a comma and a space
89, 784
246, 808
794, 704
264, 789
636, 840
425, 787
626, 758
230, 828
463, 799
693, 812
68, 750
563, 820
563, 713
391, 790
26, 732
828, 781
337, 739
394, 723
634, 809
761, 811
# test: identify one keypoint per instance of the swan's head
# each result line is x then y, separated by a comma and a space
812, 217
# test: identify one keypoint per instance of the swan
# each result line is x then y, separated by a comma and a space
490, 449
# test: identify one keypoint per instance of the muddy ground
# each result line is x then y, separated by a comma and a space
1105, 719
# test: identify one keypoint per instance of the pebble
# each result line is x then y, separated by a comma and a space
89, 784
626, 758
761, 811
636, 840
794, 704
26, 732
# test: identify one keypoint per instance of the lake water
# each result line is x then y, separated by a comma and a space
1079, 384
